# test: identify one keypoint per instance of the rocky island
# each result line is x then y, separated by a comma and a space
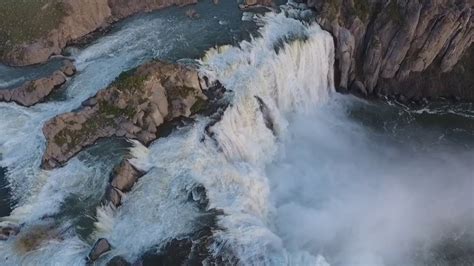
134, 106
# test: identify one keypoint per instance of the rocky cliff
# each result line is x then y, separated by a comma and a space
410, 49
134, 106
32, 31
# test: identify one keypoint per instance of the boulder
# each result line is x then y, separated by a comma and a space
125, 176
113, 196
134, 106
35, 91
118, 261
100, 247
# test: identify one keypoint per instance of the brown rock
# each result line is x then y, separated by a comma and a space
80, 19
258, 2
135, 105
68, 68
125, 176
113, 196
35, 91
100, 247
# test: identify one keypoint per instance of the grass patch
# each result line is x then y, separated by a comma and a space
23, 21
127, 81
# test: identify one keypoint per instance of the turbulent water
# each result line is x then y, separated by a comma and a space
314, 178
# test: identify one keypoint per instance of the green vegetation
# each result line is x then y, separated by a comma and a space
199, 106
22, 21
127, 81
106, 116
107, 110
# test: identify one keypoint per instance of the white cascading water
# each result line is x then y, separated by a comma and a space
286, 192
41, 193
296, 76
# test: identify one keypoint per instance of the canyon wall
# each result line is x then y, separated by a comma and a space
411, 49
55, 23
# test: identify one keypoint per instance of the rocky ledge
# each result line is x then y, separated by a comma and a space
134, 106
48, 26
35, 91
393, 47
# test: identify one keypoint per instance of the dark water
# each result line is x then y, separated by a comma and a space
5, 202
11, 77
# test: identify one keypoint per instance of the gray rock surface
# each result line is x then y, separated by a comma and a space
100, 247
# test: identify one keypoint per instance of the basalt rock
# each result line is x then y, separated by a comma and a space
123, 178
249, 4
24, 42
118, 261
133, 106
35, 91
382, 46
100, 248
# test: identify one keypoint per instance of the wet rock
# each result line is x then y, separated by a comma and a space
100, 248
118, 261
113, 196
125, 176
134, 106
267, 117
358, 88
35, 91
68, 68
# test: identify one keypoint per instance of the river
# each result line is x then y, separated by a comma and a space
335, 180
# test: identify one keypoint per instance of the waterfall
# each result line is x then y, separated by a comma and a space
289, 69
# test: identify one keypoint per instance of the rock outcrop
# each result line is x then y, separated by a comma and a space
133, 106
382, 46
20, 45
100, 247
123, 178
35, 91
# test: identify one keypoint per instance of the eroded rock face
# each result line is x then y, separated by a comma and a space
80, 18
133, 106
35, 91
381, 44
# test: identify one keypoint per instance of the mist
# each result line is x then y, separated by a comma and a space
342, 190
